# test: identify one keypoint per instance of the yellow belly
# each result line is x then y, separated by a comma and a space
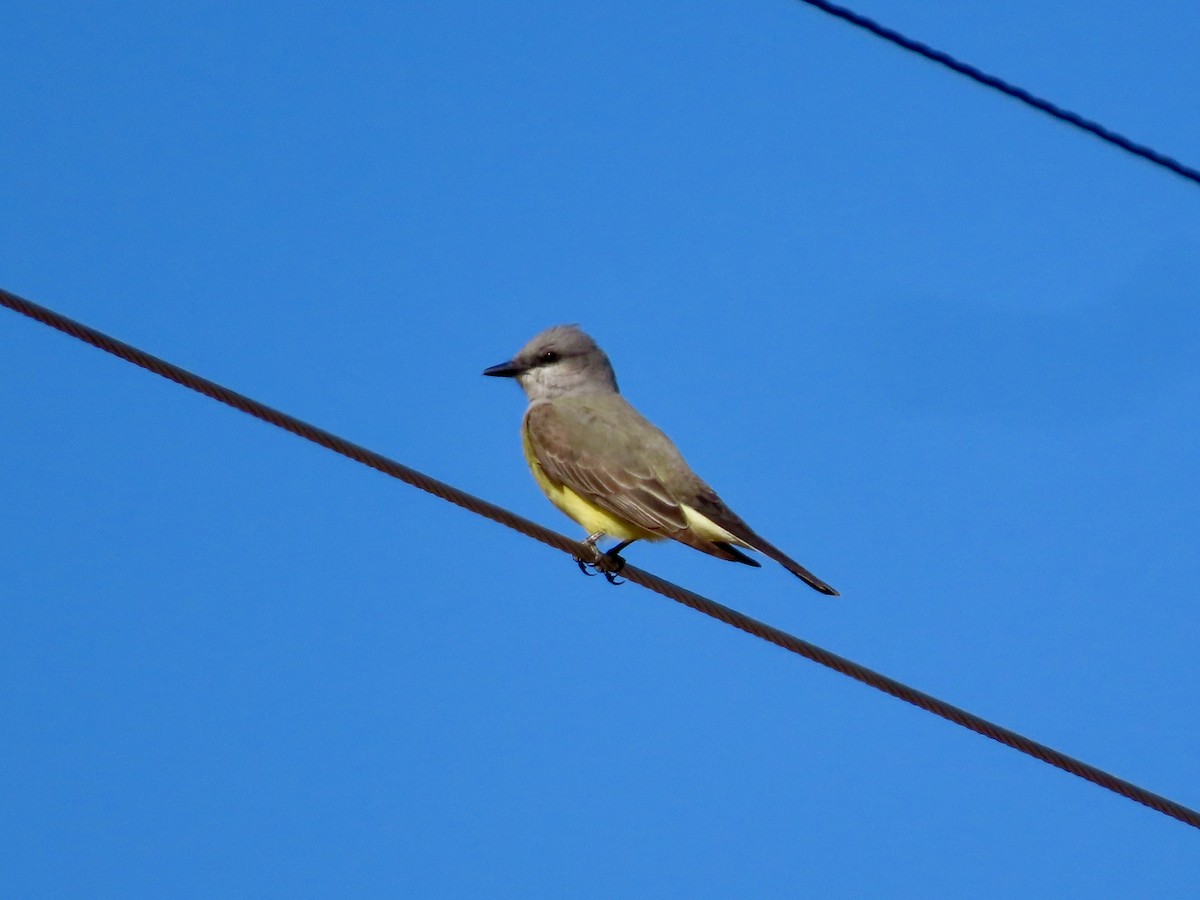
583, 511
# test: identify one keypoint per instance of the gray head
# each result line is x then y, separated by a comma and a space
561, 360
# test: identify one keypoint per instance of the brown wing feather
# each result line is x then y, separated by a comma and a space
638, 475
618, 481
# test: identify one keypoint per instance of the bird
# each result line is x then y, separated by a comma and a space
606, 466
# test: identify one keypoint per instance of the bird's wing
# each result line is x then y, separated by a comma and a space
605, 451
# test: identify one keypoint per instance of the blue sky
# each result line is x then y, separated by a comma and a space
937, 346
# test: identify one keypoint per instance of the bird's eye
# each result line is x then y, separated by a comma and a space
548, 357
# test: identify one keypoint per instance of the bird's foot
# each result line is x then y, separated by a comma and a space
610, 565
590, 567
606, 564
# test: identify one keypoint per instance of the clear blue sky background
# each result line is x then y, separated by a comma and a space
940, 347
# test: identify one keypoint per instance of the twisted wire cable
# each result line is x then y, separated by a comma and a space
576, 549
999, 84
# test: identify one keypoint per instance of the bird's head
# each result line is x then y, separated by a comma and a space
562, 360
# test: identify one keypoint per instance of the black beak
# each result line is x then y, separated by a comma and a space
505, 370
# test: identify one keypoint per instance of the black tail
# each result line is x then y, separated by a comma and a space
710, 505
792, 566
769, 550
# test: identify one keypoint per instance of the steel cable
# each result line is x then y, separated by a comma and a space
638, 576
999, 84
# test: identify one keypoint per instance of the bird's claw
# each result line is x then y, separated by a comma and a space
607, 564
610, 564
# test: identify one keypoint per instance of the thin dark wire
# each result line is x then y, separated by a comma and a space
653, 582
1017, 93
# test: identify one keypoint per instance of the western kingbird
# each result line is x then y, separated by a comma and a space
604, 465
